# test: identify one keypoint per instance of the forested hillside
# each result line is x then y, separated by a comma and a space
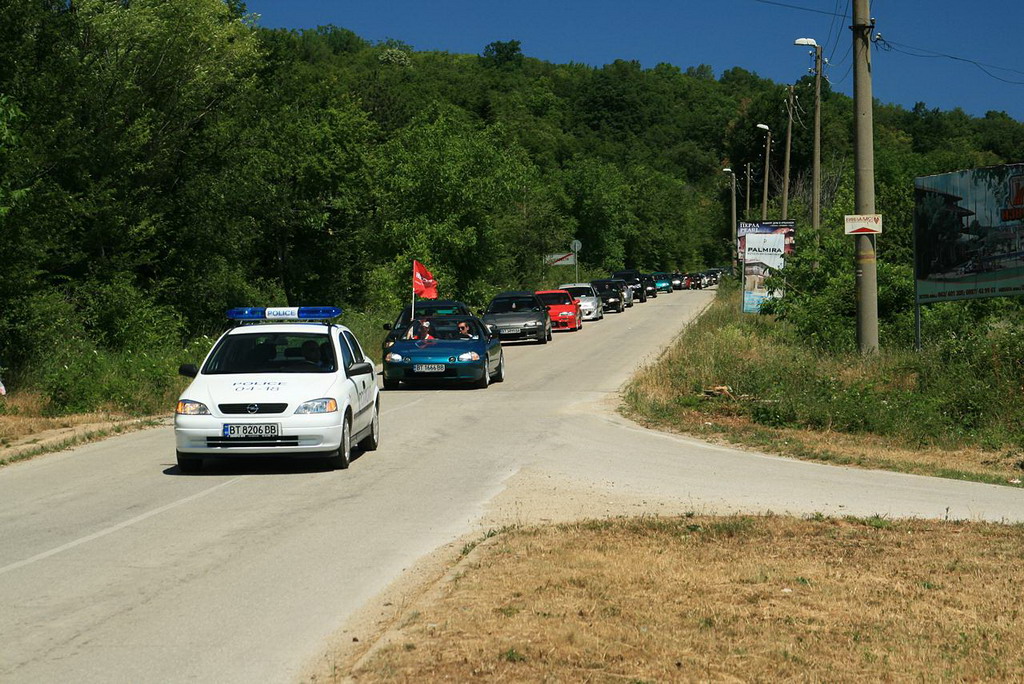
161, 161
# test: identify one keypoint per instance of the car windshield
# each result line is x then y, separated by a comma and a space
552, 298
428, 309
441, 329
580, 291
604, 287
511, 305
270, 352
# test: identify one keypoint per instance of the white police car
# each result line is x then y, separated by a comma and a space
283, 382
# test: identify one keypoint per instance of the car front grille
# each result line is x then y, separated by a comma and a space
281, 441
243, 409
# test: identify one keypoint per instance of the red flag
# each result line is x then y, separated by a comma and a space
423, 283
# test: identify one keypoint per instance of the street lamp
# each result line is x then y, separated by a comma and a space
767, 151
734, 256
816, 164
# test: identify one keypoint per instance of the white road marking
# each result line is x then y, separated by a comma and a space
114, 528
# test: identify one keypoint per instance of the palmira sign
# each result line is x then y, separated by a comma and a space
764, 246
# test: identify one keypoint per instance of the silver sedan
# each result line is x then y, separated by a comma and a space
590, 301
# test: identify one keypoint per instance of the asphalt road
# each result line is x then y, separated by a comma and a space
116, 568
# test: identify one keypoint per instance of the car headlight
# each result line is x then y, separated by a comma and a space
531, 324
469, 356
187, 407
324, 405
394, 357
612, 300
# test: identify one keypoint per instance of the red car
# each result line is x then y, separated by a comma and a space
564, 311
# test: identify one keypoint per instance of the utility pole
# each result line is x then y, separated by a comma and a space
816, 164
746, 214
735, 262
864, 178
789, 146
767, 152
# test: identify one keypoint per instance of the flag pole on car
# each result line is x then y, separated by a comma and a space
423, 284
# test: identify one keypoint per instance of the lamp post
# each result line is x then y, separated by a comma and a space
816, 164
732, 174
767, 151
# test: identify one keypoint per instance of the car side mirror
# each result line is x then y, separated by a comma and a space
479, 312
387, 326
189, 370
362, 368
575, 301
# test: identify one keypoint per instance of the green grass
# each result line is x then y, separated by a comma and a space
948, 411
945, 396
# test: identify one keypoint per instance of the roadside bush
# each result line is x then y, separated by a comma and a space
100, 347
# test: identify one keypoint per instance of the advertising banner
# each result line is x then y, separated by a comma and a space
763, 246
969, 234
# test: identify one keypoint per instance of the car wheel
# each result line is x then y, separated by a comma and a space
372, 440
485, 379
499, 375
390, 384
189, 465
549, 337
341, 459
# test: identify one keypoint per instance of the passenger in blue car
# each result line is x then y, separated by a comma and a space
420, 330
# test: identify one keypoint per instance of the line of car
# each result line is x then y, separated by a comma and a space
442, 341
292, 382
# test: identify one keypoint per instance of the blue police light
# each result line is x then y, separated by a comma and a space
310, 313
249, 313
283, 313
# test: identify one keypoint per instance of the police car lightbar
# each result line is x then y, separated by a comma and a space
288, 313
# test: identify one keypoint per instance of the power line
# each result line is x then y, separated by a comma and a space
912, 51
839, 33
799, 7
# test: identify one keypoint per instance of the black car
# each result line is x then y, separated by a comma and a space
615, 294
650, 287
424, 309
632, 278
677, 280
519, 315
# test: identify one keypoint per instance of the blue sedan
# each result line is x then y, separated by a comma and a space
458, 349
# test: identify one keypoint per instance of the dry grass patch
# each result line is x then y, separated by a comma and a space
733, 598
26, 430
23, 416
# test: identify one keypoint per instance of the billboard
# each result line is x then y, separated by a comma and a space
969, 234
763, 246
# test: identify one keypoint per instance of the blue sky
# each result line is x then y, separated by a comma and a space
984, 37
